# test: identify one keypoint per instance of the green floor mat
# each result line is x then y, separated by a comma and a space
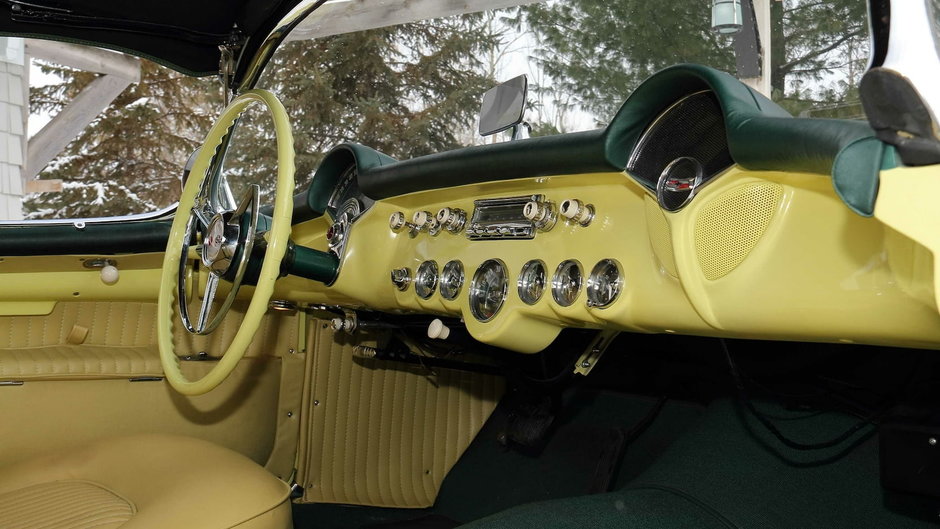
739, 476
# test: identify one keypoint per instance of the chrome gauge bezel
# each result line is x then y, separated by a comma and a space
526, 278
426, 279
561, 278
452, 279
598, 298
475, 288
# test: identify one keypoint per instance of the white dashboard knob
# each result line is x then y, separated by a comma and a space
396, 221
576, 211
421, 218
443, 215
110, 275
437, 330
531, 210
570, 208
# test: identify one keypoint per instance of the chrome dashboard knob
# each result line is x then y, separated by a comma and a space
542, 214
397, 221
573, 210
421, 219
452, 219
424, 221
401, 278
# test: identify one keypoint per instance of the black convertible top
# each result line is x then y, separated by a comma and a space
182, 34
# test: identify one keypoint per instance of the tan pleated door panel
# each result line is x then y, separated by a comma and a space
384, 433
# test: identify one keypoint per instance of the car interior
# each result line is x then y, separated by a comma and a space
708, 311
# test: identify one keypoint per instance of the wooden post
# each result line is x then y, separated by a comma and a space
119, 72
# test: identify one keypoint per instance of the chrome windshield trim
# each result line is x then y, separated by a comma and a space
273, 40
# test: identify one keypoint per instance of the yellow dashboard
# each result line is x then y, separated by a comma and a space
767, 255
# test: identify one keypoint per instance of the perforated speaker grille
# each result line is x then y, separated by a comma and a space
693, 127
730, 226
660, 236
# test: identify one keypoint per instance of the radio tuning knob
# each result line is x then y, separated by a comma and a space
576, 211
452, 219
542, 214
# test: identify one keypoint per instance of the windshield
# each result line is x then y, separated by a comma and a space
414, 88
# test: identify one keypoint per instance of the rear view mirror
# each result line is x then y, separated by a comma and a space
503, 106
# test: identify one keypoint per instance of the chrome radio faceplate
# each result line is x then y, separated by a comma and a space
501, 218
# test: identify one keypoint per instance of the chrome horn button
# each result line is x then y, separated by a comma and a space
219, 244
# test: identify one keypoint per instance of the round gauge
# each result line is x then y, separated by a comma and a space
426, 279
605, 283
451, 279
488, 289
566, 285
532, 281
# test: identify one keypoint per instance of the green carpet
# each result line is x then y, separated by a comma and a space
728, 471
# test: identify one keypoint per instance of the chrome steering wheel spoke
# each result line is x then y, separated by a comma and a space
212, 284
225, 251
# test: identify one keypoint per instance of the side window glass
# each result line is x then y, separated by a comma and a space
87, 132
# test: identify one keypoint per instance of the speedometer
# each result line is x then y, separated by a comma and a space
346, 187
488, 289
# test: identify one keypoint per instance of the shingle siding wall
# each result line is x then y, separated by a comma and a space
13, 109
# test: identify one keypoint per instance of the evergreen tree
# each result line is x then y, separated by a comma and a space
406, 90
129, 160
819, 52
602, 50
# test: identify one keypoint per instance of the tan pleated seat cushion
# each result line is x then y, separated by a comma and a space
64, 505
143, 482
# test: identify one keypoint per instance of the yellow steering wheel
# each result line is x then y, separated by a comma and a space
227, 241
